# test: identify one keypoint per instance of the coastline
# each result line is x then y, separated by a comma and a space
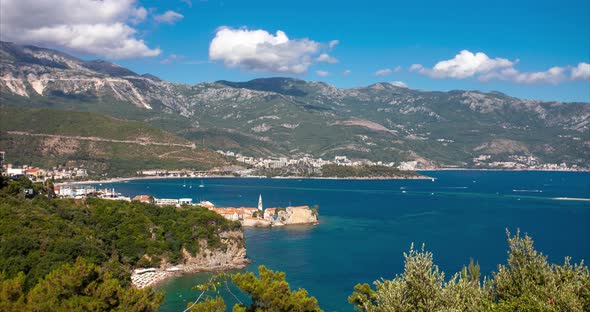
421, 177
115, 180
152, 279
502, 169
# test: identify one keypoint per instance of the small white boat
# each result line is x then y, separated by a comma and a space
201, 185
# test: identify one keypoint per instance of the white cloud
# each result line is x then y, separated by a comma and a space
346, 72
101, 28
169, 17
397, 68
553, 75
187, 2
467, 64
383, 72
322, 73
325, 57
333, 43
172, 58
416, 68
463, 65
399, 84
581, 72
259, 50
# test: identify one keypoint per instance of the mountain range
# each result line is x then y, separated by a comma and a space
275, 117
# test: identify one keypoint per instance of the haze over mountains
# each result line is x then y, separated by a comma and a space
291, 117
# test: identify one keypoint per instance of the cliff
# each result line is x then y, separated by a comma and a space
300, 215
231, 255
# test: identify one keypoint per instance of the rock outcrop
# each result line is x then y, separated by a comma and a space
231, 255
300, 215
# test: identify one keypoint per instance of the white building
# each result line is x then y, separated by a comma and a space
64, 191
82, 190
15, 171
81, 173
185, 201
166, 201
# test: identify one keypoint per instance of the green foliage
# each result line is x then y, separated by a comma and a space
315, 210
41, 234
527, 283
270, 292
365, 171
81, 124
114, 158
210, 305
81, 286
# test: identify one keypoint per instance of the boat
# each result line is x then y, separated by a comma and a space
201, 185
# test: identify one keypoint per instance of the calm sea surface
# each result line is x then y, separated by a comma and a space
367, 225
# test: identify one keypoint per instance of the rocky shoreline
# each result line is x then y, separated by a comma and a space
205, 260
153, 278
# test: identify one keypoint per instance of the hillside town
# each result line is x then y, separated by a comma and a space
310, 165
302, 166
315, 164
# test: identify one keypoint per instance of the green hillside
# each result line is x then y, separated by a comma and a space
102, 144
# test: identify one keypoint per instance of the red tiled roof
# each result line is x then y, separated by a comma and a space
142, 198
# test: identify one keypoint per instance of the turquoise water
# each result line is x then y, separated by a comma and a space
367, 225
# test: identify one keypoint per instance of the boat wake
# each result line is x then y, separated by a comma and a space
528, 191
572, 198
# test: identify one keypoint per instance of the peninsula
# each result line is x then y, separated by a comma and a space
260, 217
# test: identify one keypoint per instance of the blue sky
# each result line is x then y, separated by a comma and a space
520, 42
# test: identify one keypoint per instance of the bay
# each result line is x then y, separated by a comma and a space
366, 226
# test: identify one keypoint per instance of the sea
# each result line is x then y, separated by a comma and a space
367, 225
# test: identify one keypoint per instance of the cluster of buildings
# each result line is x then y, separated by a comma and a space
189, 173
260, 217
247, 216
519, 162
40, 174
84, 191
171, 173
304, 161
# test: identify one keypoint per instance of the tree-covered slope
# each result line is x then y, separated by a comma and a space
47, 138
40, 235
